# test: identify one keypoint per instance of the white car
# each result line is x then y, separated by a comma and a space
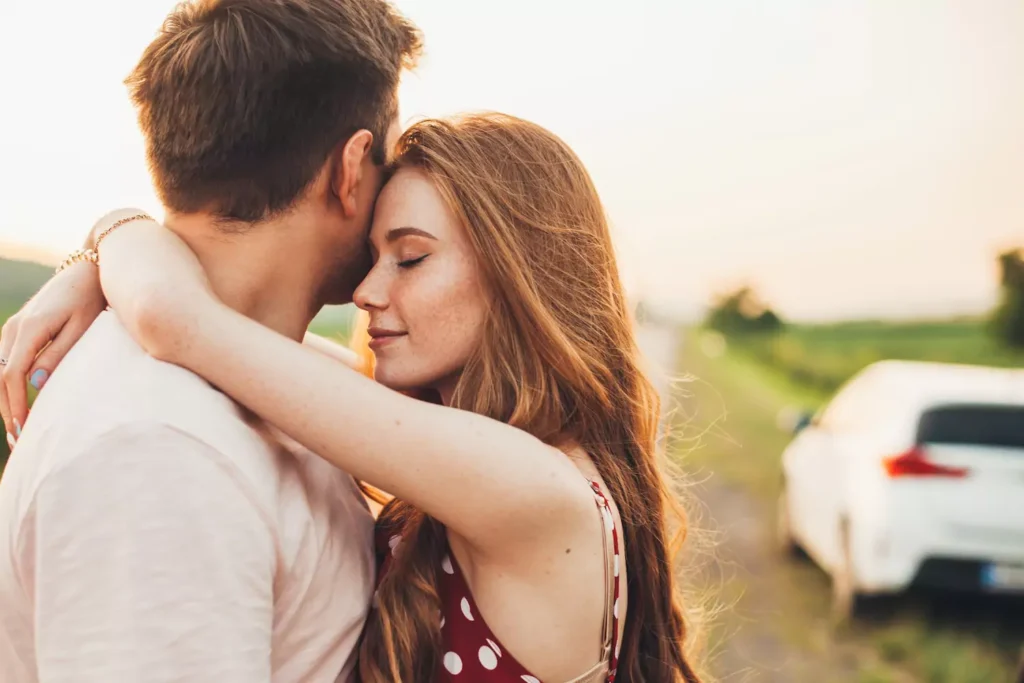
912, 475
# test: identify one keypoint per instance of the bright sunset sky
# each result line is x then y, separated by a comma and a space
848, 157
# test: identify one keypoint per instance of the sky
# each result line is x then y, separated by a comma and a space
849, 158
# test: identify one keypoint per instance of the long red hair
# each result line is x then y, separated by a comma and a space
558, 360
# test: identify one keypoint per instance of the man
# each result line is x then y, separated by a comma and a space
150, 530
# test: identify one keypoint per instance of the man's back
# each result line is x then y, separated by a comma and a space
149, 532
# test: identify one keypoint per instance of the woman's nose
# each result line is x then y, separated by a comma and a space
370, 294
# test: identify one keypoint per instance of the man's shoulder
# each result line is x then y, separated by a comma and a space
108, 391
155, 460
108, 365
108, 382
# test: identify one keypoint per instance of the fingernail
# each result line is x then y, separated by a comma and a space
39, 378
10, 441
17, 429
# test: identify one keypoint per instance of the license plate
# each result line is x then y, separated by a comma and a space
996, 576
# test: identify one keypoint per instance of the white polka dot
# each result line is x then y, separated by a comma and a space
446, 565
530, 679
488, 659
494, 646
466, 610
453, 663
615, 609
616, 565
393, 543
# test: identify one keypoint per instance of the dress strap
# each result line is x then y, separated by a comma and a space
612, 627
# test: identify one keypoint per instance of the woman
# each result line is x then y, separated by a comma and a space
529, 516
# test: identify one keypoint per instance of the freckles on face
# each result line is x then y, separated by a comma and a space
425, 296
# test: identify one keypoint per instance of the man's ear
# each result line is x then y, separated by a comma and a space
349, 170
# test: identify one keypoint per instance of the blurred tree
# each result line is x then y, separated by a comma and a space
641, 313
1008, 318
769, 320
742, 311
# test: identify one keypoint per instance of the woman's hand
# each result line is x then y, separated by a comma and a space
36, 338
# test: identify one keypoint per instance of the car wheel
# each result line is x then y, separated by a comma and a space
784, 538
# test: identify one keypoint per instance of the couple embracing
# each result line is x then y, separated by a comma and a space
187, 499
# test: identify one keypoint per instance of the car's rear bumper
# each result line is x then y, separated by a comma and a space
890, 562
961, 574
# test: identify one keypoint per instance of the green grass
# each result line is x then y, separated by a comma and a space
19, 280
334, 322
822, 357
729, 428
875, 675
939, 654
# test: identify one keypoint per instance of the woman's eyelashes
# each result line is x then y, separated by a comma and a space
413, 262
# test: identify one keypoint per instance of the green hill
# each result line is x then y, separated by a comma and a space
19, 280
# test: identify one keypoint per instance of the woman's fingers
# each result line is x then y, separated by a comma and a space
52, 355
33, 334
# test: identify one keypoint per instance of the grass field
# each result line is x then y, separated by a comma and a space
727, 430
822, 357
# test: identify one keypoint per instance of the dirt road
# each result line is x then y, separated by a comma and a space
750, 642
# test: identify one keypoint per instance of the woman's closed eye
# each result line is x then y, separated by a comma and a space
410, 263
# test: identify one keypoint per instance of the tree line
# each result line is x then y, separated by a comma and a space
742, 311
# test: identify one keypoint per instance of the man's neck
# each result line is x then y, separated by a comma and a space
263, 273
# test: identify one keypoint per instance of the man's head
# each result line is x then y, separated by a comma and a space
253, 109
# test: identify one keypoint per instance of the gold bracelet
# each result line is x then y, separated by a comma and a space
115, 226
77, 256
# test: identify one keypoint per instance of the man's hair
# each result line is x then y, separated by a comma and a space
242, 101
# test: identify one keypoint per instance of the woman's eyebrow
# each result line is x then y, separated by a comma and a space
398, 233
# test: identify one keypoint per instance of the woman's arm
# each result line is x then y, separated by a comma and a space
487, 481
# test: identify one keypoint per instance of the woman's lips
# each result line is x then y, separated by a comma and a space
381, 338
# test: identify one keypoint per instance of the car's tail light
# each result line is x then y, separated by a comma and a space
915, 463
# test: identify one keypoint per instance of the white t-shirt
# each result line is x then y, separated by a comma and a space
151, 531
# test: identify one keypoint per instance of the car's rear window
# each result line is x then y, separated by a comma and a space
975, 425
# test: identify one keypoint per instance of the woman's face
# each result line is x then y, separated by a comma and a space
424, 293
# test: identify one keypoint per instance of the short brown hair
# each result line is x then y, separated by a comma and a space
242, 101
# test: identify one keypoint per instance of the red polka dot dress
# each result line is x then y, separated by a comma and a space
473, 654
